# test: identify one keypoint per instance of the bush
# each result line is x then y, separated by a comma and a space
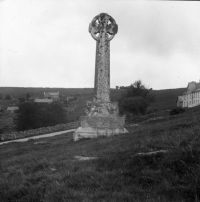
177, 110
36, 115
136, 105
8, 97
136, 100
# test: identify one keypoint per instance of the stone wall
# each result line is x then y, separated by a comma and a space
38, 131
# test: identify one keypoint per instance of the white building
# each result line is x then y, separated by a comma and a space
12, 109
49, 97
43, 100
191, 97
55, 96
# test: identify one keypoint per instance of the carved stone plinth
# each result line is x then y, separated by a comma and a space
102, 116
95, 126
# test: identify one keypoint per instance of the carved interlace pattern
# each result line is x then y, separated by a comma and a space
103, 24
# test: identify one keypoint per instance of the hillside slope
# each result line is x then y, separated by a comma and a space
164, 99
18, 92
48, 170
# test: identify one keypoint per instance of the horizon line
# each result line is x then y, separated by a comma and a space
77, 87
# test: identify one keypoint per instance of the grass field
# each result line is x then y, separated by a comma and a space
166, 99
47, 170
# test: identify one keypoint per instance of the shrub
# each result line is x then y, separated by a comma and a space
8, 97
136, 100
139, 89
136, 105
177, 110
36, 115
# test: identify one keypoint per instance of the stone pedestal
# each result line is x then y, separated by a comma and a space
102, 120
100, 125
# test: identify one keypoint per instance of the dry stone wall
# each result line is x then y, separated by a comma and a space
38, 131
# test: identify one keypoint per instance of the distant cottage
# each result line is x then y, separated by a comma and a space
52, 95
191, 97
12, 109
43, 100
49, 97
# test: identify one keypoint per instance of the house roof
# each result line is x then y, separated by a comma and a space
195, 89
51, 93
43, 100
198, 85
12, 108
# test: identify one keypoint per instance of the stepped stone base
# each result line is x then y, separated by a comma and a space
95, 126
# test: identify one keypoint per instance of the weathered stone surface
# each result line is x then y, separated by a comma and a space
101, 122
102, 28
102, 116
90, 132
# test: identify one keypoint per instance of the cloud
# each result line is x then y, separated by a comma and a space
160, 27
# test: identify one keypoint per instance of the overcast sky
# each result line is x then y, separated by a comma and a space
46, 43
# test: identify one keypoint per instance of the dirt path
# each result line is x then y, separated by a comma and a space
38, 136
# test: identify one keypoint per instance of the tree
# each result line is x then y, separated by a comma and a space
36, 115
133, 105
21, 99
8, 97
136, 100
28, 96
139, 89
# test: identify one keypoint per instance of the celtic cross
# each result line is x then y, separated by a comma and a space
102, 28
102, 118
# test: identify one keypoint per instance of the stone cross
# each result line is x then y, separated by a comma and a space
102, 28
102, 118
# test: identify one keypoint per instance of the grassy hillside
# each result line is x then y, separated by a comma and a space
18, 92
163, 98
48, 170
166, 99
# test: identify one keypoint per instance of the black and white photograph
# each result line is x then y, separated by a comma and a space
99, 101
